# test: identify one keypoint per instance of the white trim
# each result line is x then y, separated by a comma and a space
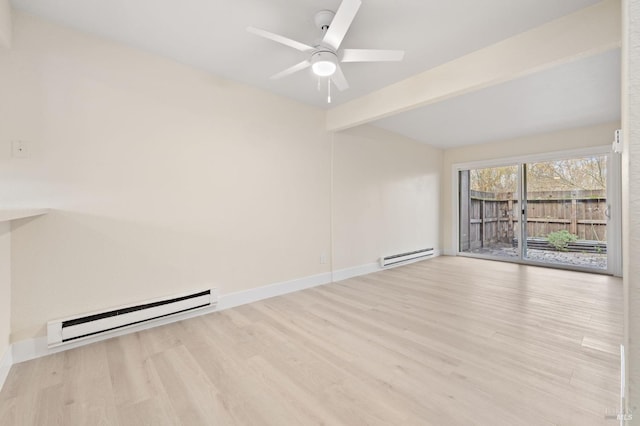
534, 158
355, 271
29, 349
5, 365
455, 209
238, 298
614, 222
26, 350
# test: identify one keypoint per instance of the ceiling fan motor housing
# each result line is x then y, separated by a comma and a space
323, 19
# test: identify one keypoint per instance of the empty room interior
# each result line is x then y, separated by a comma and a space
337, 212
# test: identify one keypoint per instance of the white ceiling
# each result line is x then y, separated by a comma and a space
575, 94
211, 35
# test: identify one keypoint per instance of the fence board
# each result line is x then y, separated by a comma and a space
494, 217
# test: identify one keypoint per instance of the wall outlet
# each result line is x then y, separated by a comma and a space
323, 259
19, 149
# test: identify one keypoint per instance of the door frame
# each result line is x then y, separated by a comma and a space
614, 201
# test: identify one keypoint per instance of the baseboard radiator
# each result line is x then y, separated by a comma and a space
405, 257
75, 328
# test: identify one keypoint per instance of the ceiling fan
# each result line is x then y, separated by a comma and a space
324, 58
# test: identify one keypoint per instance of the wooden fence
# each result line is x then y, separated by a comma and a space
493, 218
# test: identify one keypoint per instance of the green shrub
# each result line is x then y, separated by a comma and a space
561, 239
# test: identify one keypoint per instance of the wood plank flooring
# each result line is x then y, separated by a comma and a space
448, 341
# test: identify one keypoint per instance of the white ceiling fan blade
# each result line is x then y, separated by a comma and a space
339, 79
341, 23
280, 39
371, 55
297, 67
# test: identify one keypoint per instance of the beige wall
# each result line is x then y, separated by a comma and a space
5, 23
163, 179
5, 286
559, 141
631, 198
385, 198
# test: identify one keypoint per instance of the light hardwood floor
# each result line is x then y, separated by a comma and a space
448, 341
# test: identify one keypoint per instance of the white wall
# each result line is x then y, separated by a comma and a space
163, 179
558, 141
631, 198
386, 196
5, 288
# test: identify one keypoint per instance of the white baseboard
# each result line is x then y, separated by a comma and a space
28, 349
5, 365
450, 252
355, 271
238, 298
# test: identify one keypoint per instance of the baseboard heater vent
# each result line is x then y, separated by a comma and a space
80, 327
404, 257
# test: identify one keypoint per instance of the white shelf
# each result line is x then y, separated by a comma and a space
11, 214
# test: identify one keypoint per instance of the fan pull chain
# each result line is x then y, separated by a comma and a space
319, 81
328, 90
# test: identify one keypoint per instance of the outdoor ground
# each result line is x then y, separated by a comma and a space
583, 260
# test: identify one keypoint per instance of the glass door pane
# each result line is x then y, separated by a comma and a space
565, 221
489, 213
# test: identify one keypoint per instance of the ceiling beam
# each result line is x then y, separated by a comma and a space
5, 23
589, 31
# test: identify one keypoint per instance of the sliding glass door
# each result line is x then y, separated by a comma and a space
566, 212
554, 212
489, 222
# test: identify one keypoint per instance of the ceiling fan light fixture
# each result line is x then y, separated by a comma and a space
324, 64
324, 68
